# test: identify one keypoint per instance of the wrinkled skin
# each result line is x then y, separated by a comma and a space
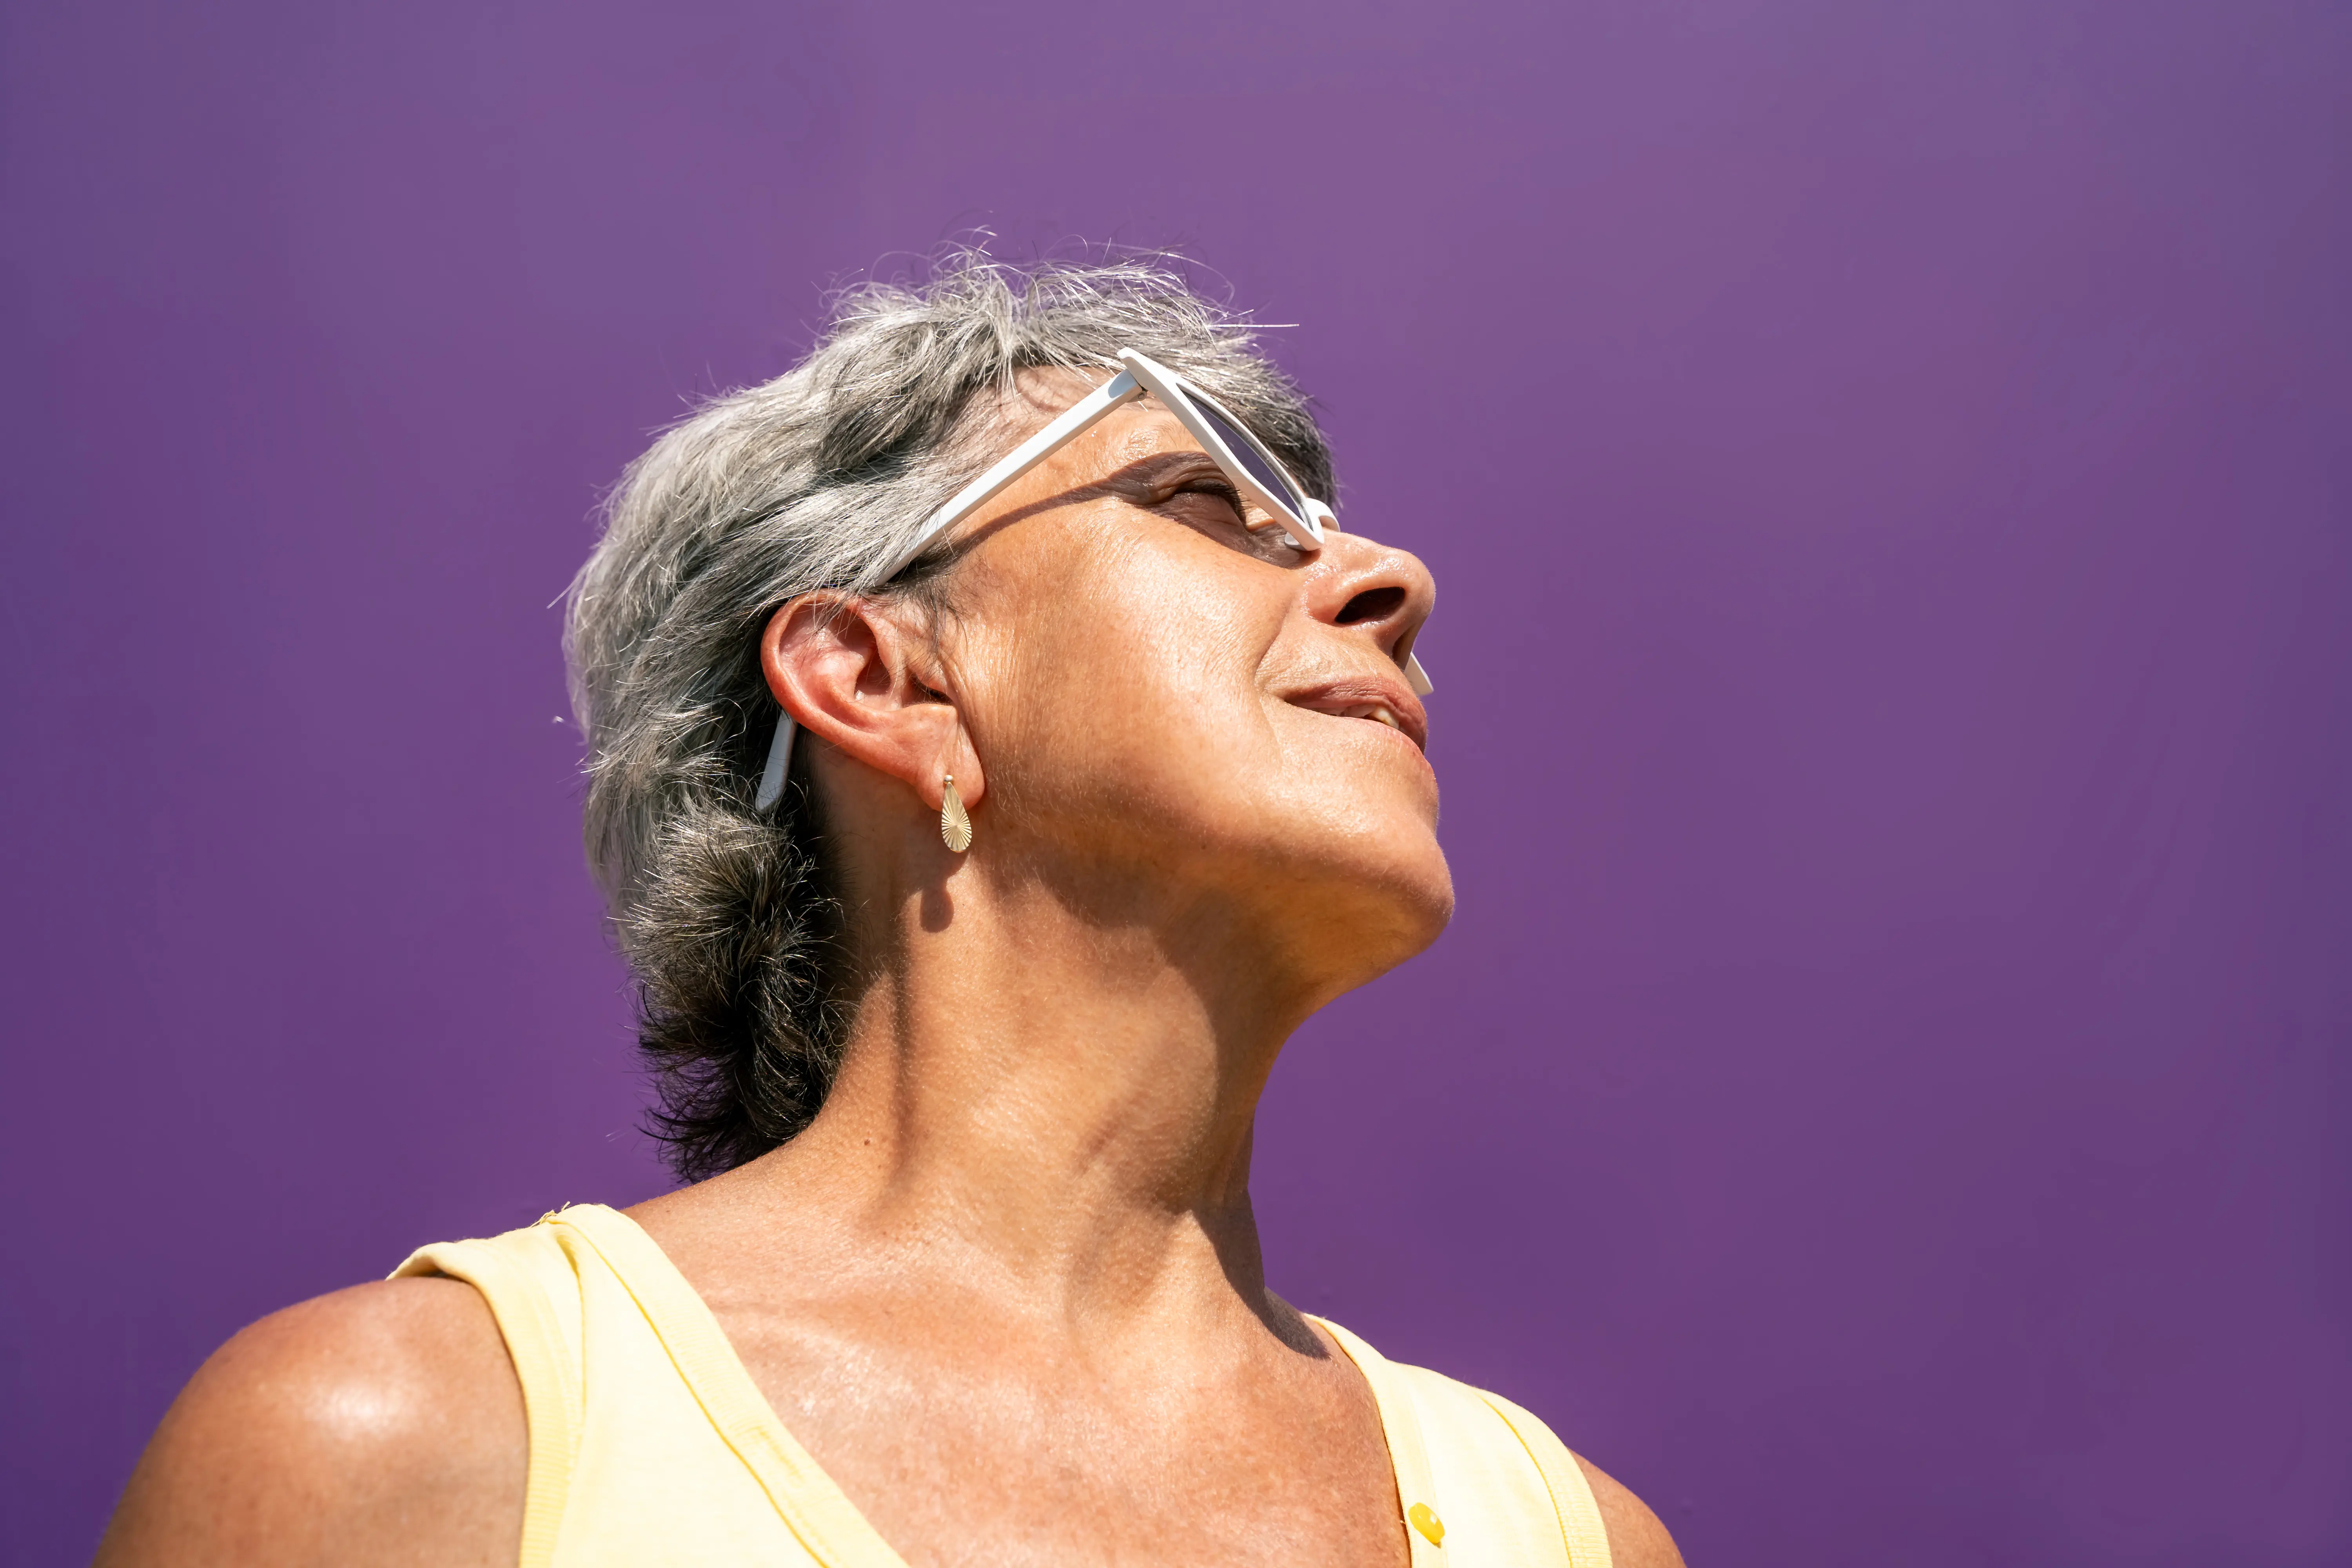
1007, 1286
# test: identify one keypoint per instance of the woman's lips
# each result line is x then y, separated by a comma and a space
1378, 702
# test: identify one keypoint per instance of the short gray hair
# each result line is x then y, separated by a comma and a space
816, 479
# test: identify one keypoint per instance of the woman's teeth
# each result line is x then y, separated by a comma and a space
1377, 712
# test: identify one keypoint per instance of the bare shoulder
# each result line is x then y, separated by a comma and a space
1637, 1538
380, 1424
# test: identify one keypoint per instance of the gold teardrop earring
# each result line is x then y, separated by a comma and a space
955, 827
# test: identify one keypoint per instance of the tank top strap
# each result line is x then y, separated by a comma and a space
1416, 1492
1581, 1525
506, 1273
813, 1506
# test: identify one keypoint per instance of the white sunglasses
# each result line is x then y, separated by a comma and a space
1256, 471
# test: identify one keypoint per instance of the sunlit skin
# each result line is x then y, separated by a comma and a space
1007, 1286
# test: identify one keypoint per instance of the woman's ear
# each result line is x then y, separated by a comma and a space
852, 673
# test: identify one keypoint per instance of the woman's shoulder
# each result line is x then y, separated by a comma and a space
380, 1422
1478, 1435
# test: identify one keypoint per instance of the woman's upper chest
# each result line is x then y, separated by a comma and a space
968, 1434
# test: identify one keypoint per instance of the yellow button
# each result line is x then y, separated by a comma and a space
1424, 1519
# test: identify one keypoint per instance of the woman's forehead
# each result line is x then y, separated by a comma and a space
1143, 429
1045, 392
1140, 430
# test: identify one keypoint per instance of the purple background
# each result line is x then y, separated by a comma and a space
1886, 1092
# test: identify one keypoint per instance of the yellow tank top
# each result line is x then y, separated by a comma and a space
650, 1444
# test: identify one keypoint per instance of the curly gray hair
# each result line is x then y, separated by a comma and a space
816, 479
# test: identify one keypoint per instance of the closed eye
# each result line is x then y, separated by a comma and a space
1232, 513
1221, 487
1170, 482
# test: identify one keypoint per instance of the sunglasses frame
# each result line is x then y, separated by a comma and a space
1298, 514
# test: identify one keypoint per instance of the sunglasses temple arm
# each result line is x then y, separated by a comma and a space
1072, 423
779, 762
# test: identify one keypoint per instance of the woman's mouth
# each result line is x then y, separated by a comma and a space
1378, 701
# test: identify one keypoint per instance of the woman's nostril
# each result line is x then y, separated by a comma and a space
1371, 604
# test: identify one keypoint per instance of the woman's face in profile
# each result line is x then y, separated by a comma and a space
1154, 688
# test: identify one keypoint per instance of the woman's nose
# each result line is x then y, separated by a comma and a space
1381, 593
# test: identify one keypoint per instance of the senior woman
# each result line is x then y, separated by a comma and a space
998, 750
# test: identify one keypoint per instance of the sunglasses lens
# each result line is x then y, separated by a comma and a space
1255, 458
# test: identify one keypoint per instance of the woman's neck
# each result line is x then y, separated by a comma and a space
1065, 1104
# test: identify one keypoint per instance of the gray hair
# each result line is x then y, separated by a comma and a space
819, 478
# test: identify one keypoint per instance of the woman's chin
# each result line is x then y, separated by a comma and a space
1384, 899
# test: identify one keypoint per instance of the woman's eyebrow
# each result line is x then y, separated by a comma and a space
1160, 471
